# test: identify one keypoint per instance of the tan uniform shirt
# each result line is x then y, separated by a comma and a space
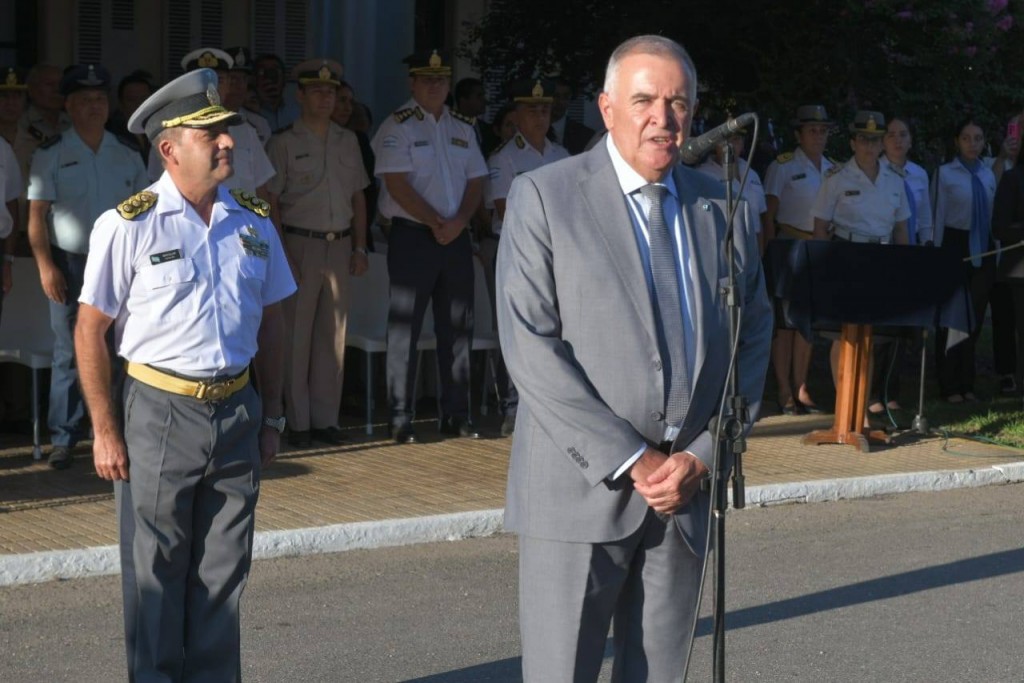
315, 179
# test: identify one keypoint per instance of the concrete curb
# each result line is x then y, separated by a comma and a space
104, 560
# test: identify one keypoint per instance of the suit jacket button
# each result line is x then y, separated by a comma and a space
657, 416
657, 366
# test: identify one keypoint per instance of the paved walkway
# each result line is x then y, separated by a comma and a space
373, 481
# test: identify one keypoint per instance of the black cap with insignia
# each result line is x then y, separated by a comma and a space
431, 63
532, 92
241, 58
82, 77
318, 71
207, 58
190, 101
12, 78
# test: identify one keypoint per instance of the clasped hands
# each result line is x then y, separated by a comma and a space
447, 229
667, 482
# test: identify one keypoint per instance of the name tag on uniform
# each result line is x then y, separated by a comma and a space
301, 156
165, 256
70, 163
421, 143
252, 244
799, 176
459, 142
852, 193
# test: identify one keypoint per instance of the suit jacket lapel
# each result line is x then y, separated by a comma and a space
700, 233
602, 194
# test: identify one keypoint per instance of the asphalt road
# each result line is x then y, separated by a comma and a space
920, 587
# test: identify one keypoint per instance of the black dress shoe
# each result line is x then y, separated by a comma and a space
458, 426
332, 436
300, 439
60, 458
404, 433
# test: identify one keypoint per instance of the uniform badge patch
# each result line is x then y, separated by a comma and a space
421, 143
459, 142
389, 141
165, 256
252, 244
852, 193
799, 176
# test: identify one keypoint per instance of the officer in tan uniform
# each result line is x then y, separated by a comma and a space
318, 204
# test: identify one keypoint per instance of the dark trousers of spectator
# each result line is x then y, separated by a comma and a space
506, 388
1016, 288
422, 271
67, 409
1004, 343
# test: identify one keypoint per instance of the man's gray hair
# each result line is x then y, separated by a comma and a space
659, 46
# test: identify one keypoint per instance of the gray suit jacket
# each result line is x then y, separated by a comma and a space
577, 331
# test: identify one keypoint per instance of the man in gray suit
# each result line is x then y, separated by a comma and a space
614, 328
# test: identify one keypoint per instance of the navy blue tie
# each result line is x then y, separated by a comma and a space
669, 313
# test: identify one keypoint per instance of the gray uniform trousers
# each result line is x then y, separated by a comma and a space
186, 528
570, 593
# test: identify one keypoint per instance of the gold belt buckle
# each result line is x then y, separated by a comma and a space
331, 237
213, 391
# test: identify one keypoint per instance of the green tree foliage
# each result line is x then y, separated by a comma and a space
935, 61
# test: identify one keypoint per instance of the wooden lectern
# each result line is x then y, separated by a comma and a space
830, 285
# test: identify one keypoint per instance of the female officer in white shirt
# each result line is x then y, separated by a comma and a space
962, 194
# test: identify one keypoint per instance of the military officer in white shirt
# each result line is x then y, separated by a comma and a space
527, 150
252, 168
791, 186
75, 177
433, 175
10, 190
190, 276
318, 202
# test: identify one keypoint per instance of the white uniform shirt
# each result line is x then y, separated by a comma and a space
185, 296
850, 200
794, 181
10, 186
917, 179
439, 156
82, 184
252, 168
753, 192
509, 160
952, 196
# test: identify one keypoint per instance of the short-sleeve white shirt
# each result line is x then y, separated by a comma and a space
850, 200
439, 155
10, 185
753, 192
513, 157
794, 180
185, 296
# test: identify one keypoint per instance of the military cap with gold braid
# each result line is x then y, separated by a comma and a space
241, 58
207, 58
189, 101
870, 123
429, 64
318, 72
810, 113
532, 92
13, 79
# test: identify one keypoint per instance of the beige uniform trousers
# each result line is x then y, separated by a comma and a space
316, 316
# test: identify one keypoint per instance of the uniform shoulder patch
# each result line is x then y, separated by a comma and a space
37, 134
403, 115
251, 202
136, 205
832, 171
468, 120
520, 142
50, 142
784, 158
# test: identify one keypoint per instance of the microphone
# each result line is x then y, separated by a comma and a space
694, 148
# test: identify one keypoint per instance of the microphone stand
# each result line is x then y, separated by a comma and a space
728, 430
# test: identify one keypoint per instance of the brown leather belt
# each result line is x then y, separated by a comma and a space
197, 389
329, 236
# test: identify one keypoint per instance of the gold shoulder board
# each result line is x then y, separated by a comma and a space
136, 205
469, 120
832, 171
402, 114
784, 158
251, 202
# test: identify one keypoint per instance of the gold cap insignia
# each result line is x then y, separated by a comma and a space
12, 78
538, 90
212, 96
208, 60
324, 74
435, 60
871, 125
240, 58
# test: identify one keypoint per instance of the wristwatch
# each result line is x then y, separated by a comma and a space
275, 423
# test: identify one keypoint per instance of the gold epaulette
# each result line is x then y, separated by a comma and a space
469, 120
832, 171
784, 158
136, 205
251, 202
403, 115
520, 142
